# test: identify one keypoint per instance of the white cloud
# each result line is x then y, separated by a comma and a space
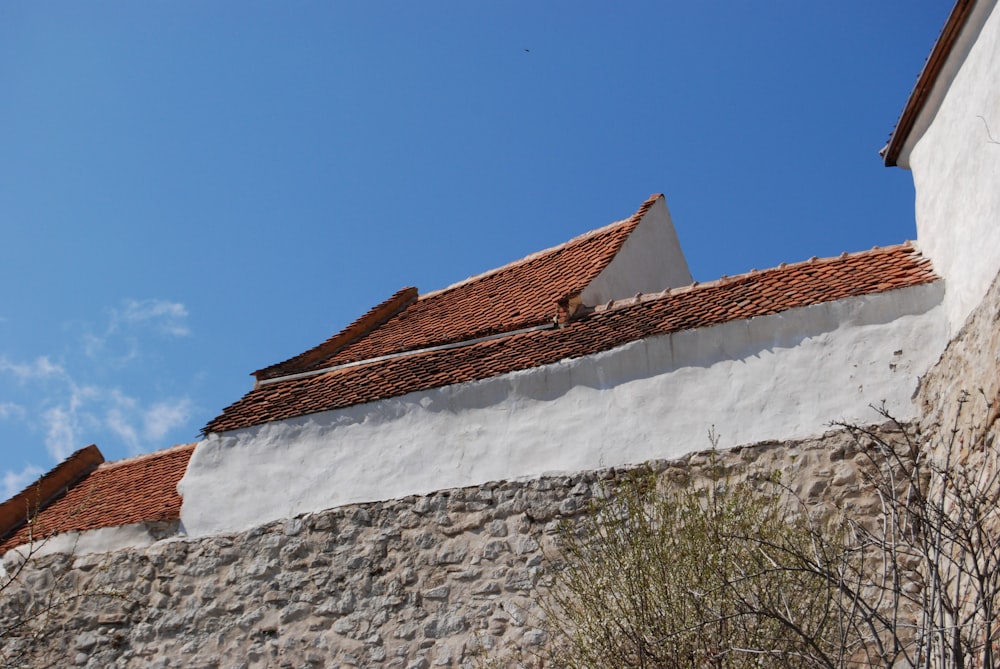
60, 432
119, 342
12, 482
165, 317
72, 415
9, 410
68, 413
67, 424
163, 417
41, 367
78, 420
119, 423
144, 427
118, 419
93, 345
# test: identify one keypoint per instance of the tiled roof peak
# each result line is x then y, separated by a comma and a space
375, 317
629, 222
922, 94
16, 511
523, 294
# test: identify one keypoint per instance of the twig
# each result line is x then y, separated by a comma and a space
988, 133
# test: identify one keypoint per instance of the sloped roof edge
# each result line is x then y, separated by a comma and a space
920, 95
375, 316
632, 220
24, 506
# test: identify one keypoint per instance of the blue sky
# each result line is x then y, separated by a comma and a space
190, 191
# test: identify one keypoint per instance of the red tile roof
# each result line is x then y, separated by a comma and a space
519, 295
590, 331
136, 490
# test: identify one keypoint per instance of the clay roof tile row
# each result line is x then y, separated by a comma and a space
759, 293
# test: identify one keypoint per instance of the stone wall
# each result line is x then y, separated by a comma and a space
443, 580
969, 366
432, 581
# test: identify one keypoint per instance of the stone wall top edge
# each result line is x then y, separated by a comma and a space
728, 459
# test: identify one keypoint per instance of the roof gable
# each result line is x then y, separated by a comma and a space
520, 295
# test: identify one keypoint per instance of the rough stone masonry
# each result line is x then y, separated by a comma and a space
429, 581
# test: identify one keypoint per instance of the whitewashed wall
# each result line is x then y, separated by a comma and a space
649, 261
777, 377
956, 166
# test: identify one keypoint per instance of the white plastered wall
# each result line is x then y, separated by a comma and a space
954, 153
777, 377
650, 260
101, 540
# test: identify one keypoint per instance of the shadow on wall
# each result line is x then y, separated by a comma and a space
700, 348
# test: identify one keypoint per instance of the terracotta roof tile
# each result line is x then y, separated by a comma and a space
519, 295
135, 490
759, 293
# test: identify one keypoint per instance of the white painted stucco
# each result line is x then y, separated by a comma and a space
776, 377
956, 166
649, 261
100, 540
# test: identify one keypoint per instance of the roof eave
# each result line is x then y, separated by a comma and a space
928, 78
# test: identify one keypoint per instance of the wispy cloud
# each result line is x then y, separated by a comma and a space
41, 367
11, 411
71, 416
117, 343
80, 397
119, 423
139, 427
163, 417
60, 432
12, 482
88, 410
169, 318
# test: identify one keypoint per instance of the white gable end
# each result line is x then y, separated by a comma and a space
649, 261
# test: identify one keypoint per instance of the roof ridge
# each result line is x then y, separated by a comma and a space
632, 220
725, 279
114, 464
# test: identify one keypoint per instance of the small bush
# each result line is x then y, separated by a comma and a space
706, 575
